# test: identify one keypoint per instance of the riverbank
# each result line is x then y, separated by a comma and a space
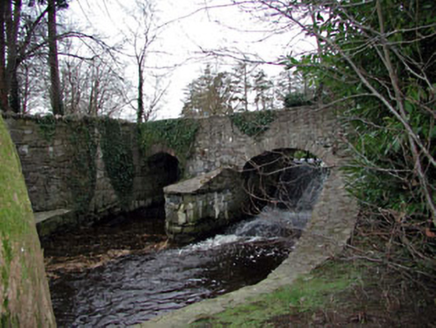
373, 282
91, 247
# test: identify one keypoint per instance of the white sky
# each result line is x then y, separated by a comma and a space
191, 30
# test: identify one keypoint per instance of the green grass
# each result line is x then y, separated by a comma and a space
309, 292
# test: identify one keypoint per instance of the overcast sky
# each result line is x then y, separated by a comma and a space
192, 28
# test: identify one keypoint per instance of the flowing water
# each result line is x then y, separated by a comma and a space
137, 287
148, 279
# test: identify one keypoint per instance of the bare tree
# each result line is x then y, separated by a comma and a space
142, 33
56, 93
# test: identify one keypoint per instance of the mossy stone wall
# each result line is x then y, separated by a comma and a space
24, 294
90, 166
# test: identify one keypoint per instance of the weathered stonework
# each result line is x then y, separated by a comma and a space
49, 169
55, 184
24, 294
196, 207
220, 143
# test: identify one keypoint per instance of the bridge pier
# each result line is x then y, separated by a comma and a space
199, 206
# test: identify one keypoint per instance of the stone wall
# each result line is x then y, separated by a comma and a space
220, 143
95, 167
66, 168
196, 207
24, 294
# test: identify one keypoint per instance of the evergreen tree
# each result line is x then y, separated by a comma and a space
241, 86
208, 95
264, 93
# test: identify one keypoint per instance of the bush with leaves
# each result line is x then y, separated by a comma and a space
376, 59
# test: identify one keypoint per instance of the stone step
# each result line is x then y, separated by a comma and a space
51, 221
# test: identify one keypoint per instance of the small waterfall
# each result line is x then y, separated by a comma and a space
288, 217
299, 186
288, 213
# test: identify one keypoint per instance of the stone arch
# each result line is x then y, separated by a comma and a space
166, 163
328, 230
286, 178
161, 148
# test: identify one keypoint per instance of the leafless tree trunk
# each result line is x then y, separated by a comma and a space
140, 111
56, 93
9, 25
4, 4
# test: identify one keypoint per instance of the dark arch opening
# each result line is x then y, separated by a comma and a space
284, 178
162, 170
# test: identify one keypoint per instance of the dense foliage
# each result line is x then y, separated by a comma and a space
377, 60
82, 137
116, 147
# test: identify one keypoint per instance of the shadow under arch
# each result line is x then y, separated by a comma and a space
285, 178
163, 169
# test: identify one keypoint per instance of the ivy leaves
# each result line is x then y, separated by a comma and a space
118, 159
178, 135
47, 126
253, 123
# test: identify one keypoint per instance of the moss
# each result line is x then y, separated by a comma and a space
8, 321
7, 249
47, 126
18, 244
118, 158
14, 202
178, 135
253, 123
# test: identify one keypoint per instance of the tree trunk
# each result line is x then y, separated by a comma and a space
4, 5
56, 94
12, 26
24, 294
140, 94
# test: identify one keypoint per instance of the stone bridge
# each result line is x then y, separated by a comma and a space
78, 171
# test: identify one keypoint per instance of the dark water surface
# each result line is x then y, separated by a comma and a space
136, 287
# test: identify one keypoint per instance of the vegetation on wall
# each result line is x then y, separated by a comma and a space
253, 123
47, 126
23, 288
117, 156
296, 100
82, 136
178, 135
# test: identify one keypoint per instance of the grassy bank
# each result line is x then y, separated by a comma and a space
375, 282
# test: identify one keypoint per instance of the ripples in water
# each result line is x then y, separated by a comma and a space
135, 288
